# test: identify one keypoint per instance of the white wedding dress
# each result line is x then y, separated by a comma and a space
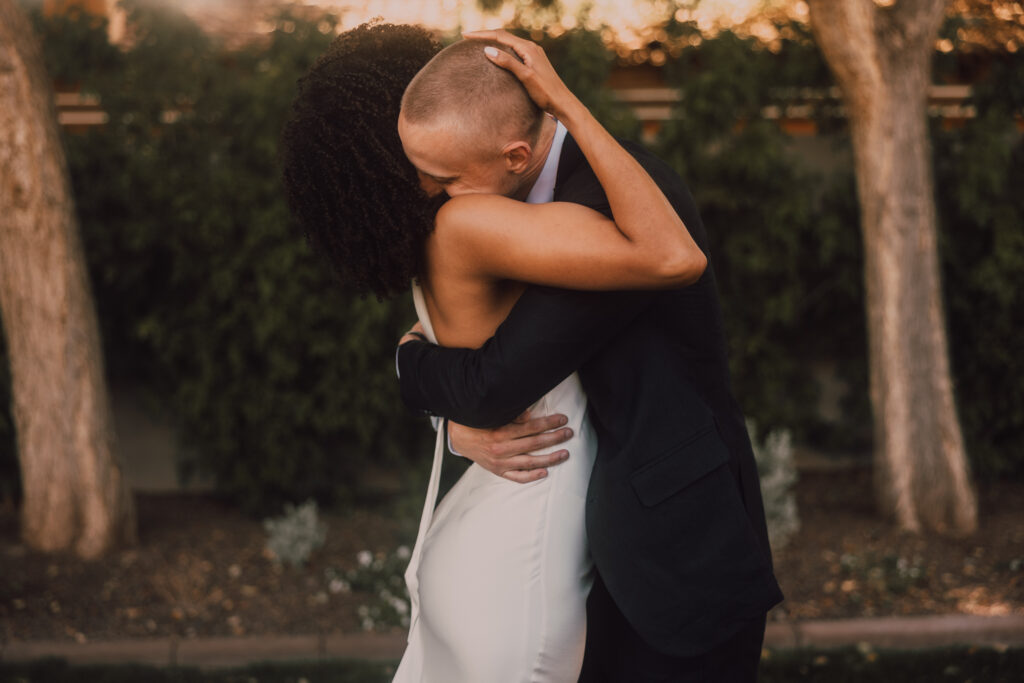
500, 573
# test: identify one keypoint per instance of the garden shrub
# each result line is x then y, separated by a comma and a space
784, 240
280, 381
787, 250
777, 471
293, 536
979, 172
380, 579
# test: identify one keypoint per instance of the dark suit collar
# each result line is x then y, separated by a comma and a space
569, 160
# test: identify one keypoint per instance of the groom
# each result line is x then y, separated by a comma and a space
674, 515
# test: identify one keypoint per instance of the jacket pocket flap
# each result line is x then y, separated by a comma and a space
679, 467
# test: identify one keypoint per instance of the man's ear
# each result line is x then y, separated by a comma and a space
517, 156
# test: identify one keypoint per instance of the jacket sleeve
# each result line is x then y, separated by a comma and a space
548, 335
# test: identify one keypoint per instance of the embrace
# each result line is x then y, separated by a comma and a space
564, 301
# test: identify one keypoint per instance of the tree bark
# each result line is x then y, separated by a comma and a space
75, 494
881, 58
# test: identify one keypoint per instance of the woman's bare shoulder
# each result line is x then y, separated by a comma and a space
468, 208
475, 213
474, 221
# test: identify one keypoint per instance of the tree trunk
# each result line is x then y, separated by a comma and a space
881, 58
75, 494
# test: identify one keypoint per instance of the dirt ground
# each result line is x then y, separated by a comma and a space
201, 568
846, 562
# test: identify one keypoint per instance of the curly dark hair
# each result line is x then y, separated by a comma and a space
346, 178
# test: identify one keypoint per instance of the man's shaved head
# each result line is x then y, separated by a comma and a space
462, 91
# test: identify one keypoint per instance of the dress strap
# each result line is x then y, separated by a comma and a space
421, 311
411, 573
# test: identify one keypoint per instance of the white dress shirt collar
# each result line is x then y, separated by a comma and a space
543, 190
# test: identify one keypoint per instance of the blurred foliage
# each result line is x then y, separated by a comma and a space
788, 254
293, 536
283, 384
584, 63
777, 472
979, 173
784, 241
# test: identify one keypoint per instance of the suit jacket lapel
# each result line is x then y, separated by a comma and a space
568, 161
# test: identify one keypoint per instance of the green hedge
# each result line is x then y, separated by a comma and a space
784, 239
788, 252
284, 384
980, 173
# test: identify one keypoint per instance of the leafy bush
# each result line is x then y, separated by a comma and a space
584, 63
294, 536
777, 470
785, 242
787, 250
979, 172
381, 577
282, 382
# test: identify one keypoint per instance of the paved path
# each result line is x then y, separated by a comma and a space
889, 632
899, 632
211, 652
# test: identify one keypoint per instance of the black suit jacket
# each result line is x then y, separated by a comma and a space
674, 514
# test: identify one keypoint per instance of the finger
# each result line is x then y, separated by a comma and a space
529, 444
520, 46
522, 418
525, 463
536, 425
498, 35
507, 61
525, 477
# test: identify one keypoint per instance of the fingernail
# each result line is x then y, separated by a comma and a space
564, 455
543, 473
562, 420
491, 51
568, 433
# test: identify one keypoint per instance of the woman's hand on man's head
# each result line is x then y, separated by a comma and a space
535, 72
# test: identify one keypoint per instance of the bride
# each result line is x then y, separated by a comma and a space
500, 572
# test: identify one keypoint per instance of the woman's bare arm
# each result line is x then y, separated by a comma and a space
648, 226
558, 244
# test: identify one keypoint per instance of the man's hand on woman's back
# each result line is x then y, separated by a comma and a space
505, 451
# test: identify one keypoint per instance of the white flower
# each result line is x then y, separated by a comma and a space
339, 586
364, 558
403, 552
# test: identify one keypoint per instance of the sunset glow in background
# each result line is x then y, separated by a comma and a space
627, 19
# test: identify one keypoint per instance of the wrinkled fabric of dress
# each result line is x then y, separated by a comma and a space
499, 576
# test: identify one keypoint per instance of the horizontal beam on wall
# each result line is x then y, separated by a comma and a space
649, 105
